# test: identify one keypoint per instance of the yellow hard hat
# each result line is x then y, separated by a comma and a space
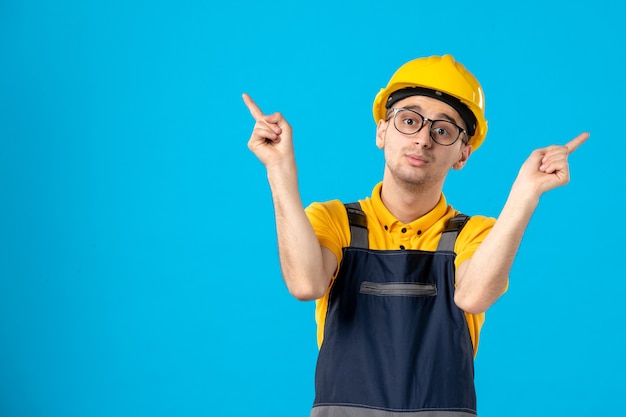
443, 78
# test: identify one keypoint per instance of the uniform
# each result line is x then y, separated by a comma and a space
391, 338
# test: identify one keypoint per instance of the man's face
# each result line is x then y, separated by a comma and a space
416, 159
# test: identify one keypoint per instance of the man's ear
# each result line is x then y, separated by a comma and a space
381, 129
464, 155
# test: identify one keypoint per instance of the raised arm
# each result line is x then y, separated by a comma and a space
482, 278
306, 266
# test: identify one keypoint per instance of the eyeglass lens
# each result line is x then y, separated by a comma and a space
441, 131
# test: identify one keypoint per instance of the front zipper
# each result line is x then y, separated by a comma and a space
402, 289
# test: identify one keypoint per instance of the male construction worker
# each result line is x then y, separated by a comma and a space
401, 279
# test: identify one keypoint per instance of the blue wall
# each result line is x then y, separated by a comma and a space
138, 265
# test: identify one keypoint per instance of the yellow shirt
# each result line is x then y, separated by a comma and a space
385, 232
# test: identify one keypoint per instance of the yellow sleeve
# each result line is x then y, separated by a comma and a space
330, 223
472, 235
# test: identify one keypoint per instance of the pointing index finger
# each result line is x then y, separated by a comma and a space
573, 144
255, 111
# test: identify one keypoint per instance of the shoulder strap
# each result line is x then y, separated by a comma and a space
358, 229
358, 226
450, 233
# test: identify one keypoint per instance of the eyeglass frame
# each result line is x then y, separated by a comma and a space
424, 120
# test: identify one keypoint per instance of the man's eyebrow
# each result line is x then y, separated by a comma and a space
439, 116
413, 107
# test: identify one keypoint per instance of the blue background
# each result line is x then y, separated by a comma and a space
138, 265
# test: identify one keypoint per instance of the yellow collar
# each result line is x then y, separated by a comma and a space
390, 222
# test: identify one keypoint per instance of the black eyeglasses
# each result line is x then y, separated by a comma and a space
409, 122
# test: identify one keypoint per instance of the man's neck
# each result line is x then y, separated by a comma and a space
409, 202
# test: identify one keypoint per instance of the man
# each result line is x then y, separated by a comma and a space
401, 280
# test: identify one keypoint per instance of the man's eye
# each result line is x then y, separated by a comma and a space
409, 121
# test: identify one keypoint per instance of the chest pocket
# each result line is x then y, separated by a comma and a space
398, 289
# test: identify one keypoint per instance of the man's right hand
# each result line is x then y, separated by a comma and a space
271, 139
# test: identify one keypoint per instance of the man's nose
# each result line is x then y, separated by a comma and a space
422, 137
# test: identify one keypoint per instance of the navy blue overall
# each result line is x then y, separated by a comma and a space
395, 343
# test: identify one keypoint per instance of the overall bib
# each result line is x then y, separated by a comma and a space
395, 343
